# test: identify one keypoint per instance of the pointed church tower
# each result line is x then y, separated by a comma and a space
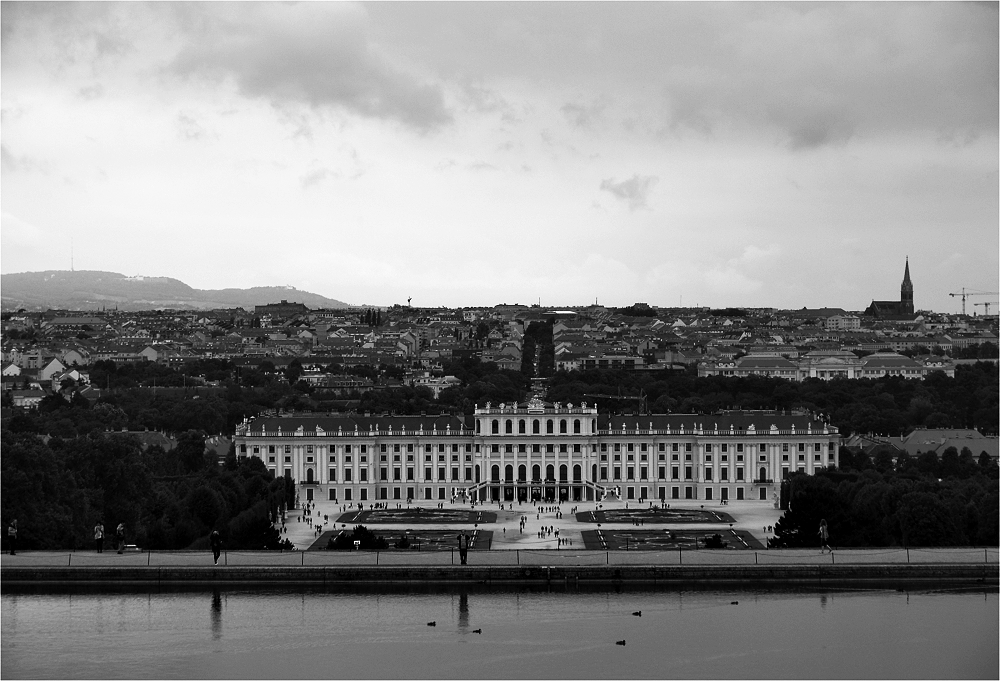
906, 291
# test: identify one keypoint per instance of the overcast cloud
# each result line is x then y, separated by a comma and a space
765, 154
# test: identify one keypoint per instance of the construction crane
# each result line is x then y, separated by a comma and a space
966, 294
986, 305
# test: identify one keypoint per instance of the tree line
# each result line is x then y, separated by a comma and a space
884, 406
59, 489
907, 501
890, 405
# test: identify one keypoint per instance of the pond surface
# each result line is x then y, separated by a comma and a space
303, 633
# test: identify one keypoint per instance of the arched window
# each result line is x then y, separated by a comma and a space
309, 475
577, 473
562, 425
478, 429
477, 472
496, 427
508, 427
522, 473
576, 426
536, 473
495, 473
535, 427
520, 426
563, 470
593, 425
593, 472
508, 473
763, 473
550, 472
548, 426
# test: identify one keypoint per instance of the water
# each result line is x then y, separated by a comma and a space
525, 635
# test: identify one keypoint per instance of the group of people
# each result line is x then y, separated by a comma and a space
99, 537
547, 531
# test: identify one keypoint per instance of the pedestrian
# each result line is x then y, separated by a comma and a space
12, 537
120, 537
215, 539
824, 536
463, 547
99, 536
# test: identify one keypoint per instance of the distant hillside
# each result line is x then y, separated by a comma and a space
88, 290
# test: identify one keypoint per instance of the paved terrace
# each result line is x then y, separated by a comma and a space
571, 519
741, 523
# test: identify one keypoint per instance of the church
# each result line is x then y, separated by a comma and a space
892, 308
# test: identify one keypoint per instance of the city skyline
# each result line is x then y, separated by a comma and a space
760, 155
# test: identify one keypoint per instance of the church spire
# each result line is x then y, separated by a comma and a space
906, 291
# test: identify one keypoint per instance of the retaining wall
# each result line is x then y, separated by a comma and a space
872, 575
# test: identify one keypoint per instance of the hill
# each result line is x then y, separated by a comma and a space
89, 290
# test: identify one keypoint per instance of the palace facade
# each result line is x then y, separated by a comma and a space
827, 365
542, 451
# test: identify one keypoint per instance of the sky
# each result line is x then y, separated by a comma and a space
470, 153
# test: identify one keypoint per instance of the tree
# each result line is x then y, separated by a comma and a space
949, 466
190, 450
988, 465
810, 500
926, 521
927, 463
293, 371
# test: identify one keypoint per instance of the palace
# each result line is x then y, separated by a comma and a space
539, 450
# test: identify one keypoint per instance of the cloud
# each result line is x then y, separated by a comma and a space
315, 177
485, 100
635, 190
23, 244
317, 54
189, 127
92, 91
9, 162
752, 255
582, 116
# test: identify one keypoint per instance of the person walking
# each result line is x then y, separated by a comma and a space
824, 536
12, 537
215, 539
120, 537
463, 547
99, 536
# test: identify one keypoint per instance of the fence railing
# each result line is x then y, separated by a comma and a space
539, 557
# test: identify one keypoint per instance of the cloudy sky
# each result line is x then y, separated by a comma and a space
774, 154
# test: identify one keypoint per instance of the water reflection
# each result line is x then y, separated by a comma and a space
281, 633
463, 611
216, 614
